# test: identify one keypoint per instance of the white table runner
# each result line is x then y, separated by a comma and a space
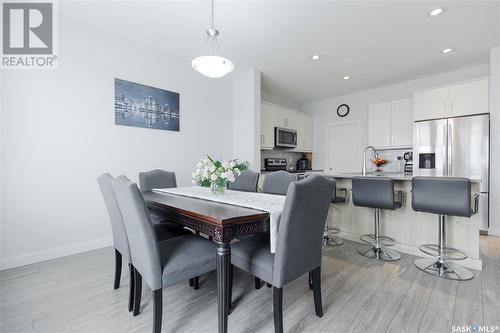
273, 204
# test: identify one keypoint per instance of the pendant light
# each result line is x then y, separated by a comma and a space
211, 63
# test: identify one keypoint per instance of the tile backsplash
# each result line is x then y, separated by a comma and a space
391, 156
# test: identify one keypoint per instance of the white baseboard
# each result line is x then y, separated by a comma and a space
413, 250
58, 252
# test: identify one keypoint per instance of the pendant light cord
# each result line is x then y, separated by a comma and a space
212, 22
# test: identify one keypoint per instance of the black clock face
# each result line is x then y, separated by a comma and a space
343, 110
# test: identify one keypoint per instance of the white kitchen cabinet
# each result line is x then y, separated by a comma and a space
379, 125
402, 123
456, 100
267, 127
390, 124
273, 115
469, 98
430, 104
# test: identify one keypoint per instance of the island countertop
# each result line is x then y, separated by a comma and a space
407, 176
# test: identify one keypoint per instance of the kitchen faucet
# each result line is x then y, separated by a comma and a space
375, 154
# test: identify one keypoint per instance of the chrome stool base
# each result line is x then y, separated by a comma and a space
444, 269
380, 253
331, 240
383, 240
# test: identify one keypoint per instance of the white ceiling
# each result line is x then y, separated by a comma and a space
375, 42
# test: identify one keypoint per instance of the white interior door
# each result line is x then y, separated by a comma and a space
343, 148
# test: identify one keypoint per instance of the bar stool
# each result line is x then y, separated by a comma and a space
329, 234
376, 192
445, 196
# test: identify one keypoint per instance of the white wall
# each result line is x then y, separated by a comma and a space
280, 100
494, 142
59, 135
324, 111
246, 117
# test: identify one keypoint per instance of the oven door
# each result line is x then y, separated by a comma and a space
285, 138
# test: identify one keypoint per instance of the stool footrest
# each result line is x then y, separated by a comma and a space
383, 240
450, 252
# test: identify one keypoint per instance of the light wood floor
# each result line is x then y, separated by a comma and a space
75, 294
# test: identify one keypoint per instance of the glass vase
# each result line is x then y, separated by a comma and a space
218, 187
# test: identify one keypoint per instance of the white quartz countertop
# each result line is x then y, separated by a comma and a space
393, 175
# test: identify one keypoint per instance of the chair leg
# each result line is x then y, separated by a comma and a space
137, 292
278, 309
191, 282
316, 282
131, 290
118, 268
230, 289
257, 283
196, 283
157, 310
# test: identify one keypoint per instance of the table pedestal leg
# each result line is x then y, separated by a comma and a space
223, 263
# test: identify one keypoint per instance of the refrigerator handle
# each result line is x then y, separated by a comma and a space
449, 140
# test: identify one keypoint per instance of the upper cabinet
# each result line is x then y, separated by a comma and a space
457, 100
273, 115
390, 124
469, 98
430, 104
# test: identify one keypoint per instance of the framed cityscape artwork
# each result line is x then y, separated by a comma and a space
143, 106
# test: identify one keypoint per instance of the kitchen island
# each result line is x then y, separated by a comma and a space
409, 228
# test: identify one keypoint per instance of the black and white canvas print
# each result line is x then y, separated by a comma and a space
143, 106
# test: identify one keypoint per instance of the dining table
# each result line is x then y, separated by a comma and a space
221, 221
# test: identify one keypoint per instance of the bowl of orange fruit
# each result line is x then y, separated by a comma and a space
378, 162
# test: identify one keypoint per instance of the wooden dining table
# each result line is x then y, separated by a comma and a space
222, 222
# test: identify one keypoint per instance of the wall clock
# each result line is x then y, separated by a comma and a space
343, 110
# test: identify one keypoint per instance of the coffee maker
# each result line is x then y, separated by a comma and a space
408, 157
303, 163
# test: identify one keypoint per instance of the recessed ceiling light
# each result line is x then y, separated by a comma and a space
436, 12
447, 50
347, 77
315, 57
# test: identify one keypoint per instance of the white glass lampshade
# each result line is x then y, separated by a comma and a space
212, 66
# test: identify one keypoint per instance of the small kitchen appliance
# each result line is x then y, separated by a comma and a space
408, 157
275, 164
303, 163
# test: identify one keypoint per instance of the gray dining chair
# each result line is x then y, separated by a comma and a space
156, 179
120, 240
277, 182
299, 243
246, 182
160, 264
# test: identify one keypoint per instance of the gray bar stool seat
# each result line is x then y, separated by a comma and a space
445, 196
376, 192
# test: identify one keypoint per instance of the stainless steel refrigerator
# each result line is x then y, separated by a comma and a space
456, 147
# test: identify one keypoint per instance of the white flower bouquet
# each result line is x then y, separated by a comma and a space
217, 174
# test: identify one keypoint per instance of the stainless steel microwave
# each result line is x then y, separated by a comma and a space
285, 137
